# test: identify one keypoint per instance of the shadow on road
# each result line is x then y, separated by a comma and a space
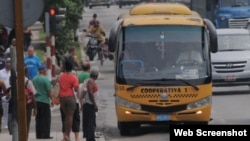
112, 133
235, 92
148, 129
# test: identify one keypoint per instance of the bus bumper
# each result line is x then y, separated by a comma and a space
201, 114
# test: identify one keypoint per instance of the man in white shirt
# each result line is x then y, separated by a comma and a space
90, 106
5, 76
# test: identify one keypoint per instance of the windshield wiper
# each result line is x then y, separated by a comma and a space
188, 83
133, 87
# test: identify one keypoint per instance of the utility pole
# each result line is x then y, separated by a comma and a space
22, 124
53, 54
48, 45
56, 15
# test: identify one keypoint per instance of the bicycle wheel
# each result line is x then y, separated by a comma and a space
101, 56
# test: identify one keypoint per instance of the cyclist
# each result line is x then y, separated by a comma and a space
98, 31
91, 22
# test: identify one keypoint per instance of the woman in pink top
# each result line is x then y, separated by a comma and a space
68, 83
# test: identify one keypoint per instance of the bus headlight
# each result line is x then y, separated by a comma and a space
202, 102
122, 102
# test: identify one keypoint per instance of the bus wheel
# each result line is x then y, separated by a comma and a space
203, 123
197, 123
125, 127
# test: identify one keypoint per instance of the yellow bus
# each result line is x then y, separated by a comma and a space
162, 66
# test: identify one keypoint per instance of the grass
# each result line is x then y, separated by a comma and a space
78, 50
42, 35
41, 54
78, 53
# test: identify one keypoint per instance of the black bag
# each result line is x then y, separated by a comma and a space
68, 60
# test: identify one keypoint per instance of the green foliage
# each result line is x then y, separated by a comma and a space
78, 53
42, 35
65, 36
41, 55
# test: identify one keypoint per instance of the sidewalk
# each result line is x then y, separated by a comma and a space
57, 136
55, 130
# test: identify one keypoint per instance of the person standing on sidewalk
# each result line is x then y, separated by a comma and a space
68, 84
71, 56
3, 36
13, 121
3, 92
2, 57
71, 52
27, 38
76, 116
32, 63
90, 106
85, 74
76, 119
12, 45
43, 101
5, 76
30, 92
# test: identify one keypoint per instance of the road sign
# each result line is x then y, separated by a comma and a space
32, 10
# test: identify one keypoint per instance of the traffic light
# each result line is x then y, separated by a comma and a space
56, 16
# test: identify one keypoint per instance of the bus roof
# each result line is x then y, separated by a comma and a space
160, 8
161, 14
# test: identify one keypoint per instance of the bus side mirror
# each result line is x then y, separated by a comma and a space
114, 35
212, 35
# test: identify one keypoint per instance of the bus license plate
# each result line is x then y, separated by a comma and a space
162, 117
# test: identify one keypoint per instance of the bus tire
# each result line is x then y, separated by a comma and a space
124, 128
197, 123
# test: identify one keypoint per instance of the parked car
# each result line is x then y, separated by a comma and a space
122, 3
231, 64
92, 3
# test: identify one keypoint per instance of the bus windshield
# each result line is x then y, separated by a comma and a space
163, 53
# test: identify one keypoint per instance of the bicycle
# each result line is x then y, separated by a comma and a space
101, 56
99, 52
